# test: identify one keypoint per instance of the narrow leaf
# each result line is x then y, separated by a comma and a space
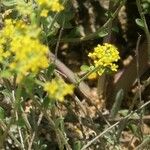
84, 68
117, 103
139, 22
103, 33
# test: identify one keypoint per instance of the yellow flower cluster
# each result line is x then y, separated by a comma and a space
58, 89
20, 45
104, 56
56, 6
50, 5
44, 13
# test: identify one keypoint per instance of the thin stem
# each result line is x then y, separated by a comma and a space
16, 114
145, 143
4, 128
112, 126
60, 135
58, 42
145, 25
122, 126
137, 67
138, 79
34, 133
87, 74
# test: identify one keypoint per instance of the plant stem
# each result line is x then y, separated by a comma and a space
4, 128
146, 30
17, 118
86, 75
112, 126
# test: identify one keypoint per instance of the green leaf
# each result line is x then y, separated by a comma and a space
5, 74
59, 123
135, 129
75, 32
29, 83
115, 29
46, 102
103, 33
2, 113
123, 112
50, 70
139, 22
51, 26
64, 19
77, 145
21, 122
7, 94
117, 103
9, 3
85, 68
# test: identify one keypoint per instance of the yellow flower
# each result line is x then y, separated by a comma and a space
92, 76
29, 54
22, 47
9, 28
43, 2
53, 5
44, 13
105, 56
56, 6
58, 89
6, 54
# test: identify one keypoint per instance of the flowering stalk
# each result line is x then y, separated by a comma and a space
104, 57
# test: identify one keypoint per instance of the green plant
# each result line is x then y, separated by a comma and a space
44, 104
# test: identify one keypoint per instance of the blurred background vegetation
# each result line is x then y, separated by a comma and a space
104, 112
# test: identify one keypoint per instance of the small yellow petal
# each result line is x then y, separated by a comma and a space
44, 13
92, 76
